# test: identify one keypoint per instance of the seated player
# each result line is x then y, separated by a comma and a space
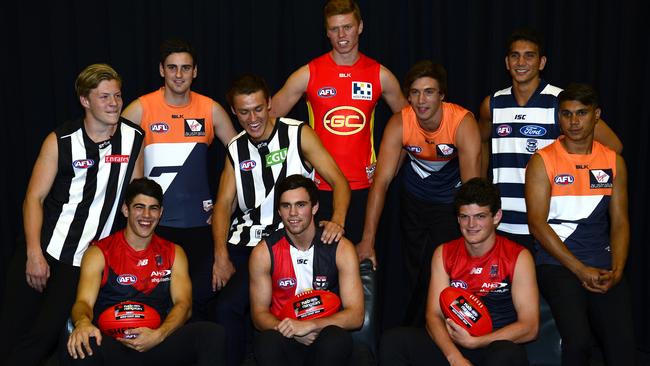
298, 255
500, 272
162, 282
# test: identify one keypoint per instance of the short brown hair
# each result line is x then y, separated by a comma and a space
340, 7
92, 75
247, 84
425, 68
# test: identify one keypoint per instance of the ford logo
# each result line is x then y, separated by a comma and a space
532, 131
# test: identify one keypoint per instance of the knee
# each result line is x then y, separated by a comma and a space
392, 344
268, 344
506, 353
333, 337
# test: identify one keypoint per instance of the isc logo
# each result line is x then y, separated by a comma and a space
564, 179
326, 92
83, 163
286, 283
520, 117
160, 127
504, 130
126, 279
344, 120
247, 165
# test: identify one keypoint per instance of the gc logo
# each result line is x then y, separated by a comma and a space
344, 120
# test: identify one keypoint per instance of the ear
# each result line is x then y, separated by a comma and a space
597, 113
442, 96
161, 69
314, 209
360, 26
497, 217
232, 109
268, 104
84, 101
125, 210
195, 71
542, 63
505, 59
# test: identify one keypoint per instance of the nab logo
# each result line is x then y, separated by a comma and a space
160, 127
458, 284
520, 117
564, 179
476, 270
302, 261
504, 130
326, 92
247, 165
361, 90
413, 149
344, 120
286, 283
127, 279
532, 131
83, 163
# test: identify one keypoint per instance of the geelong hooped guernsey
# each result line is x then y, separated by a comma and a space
341, 100
581, 189
517, 133
258, 167
131, 275
294, 271
88, 188
489, 276
432, 173
175, 156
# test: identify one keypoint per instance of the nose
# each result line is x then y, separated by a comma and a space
179, 72
471, 221
421, 98
341, 32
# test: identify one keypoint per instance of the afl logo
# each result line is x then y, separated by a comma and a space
286, 283
564, 179
83, 163
127, 279
504, 130
160, 127
326, 92
413, 149
532, 131
247, 165
458, 284
344, 120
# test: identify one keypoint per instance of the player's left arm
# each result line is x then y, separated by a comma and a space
322, 161
390, 90
606, 136
138, 168
222, 124
525, 297
619, 232
180, 290
468, 142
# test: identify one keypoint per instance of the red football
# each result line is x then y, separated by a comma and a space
127, 315
466, 310
311, 304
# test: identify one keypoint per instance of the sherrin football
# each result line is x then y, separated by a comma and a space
127, 315
311, 304
466, 310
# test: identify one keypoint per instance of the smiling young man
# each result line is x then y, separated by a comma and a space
181, 124
342, 88
498, 271
267, 151
72, 198
441, 144
297, 253
160, 279
576, 193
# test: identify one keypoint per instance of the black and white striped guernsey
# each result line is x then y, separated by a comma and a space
88, 188
258, 167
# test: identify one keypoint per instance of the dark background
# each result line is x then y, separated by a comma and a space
45, 45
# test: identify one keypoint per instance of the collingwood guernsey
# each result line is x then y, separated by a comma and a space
258, 167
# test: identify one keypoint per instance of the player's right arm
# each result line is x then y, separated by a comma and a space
37, 271
260, 288
485, 125
388, 163
223, 269
92, 267
133, 112
435, 320
288, 96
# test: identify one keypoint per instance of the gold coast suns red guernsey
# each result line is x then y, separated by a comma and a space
488, 276
341, 100
175, 156
581, 189
142, 276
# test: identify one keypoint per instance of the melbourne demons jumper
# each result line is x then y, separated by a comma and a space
132, 275
517, 133
88, 188
341, 100
489, 276
581, 188
294, 271
175, 156
433, 172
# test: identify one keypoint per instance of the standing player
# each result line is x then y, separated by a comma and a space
72, 198
517, 121
442, 142
267, 151
500, 272
297, 255
342, 88
180, 126
576, 193
160, 280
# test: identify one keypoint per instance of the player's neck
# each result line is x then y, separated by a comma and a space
98, 131
136, 242
268, 130
523, 91
175, 99
580, 147
432, 124
480, 249
303, 240
345, 59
